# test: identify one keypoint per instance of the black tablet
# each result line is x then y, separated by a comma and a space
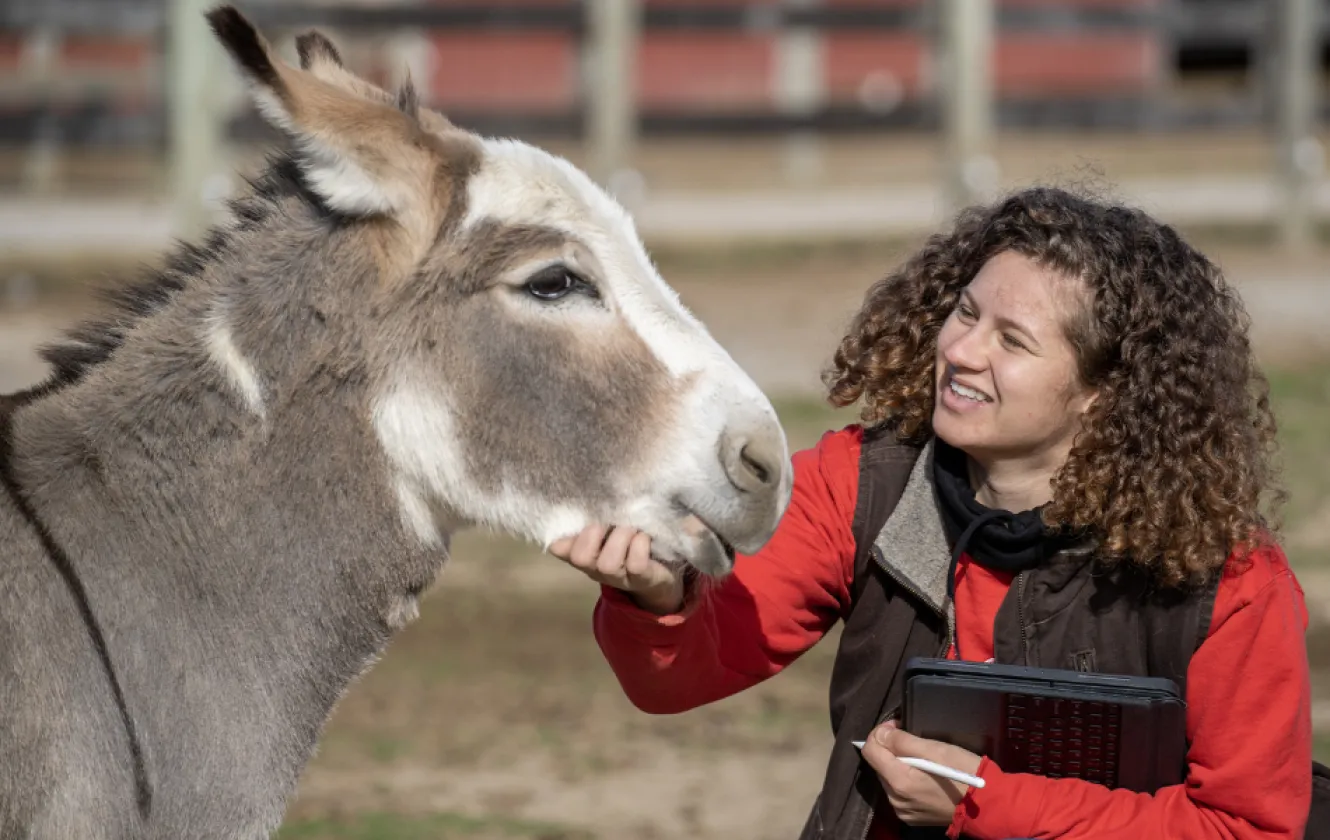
1118, 731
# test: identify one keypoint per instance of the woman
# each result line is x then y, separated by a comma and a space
1065, 453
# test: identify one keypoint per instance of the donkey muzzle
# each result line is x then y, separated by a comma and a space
755, 459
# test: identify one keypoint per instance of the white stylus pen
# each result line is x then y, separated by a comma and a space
936, 769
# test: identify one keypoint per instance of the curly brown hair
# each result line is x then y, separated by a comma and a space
1176, 456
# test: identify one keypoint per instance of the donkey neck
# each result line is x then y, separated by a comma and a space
245, 562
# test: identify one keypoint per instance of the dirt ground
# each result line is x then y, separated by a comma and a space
495, 716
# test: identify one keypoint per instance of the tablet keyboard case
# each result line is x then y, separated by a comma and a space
1121, 732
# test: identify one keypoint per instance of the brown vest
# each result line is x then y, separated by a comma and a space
1064, 614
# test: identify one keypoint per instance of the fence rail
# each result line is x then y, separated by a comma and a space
1188, 24
28, 110
103, 18
43, 111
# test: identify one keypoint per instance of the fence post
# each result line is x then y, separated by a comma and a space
39, 63
194, 119
613, 27
1299, 154
799, 91
965, 52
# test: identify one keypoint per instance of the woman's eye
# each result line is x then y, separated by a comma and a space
965, 311
552, 284
1012, 341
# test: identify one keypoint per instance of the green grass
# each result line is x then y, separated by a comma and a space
806, 419
1301, 398
384, 826
388, 750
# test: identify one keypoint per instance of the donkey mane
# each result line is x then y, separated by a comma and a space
125, 304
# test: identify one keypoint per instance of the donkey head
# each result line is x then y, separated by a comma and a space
528, 370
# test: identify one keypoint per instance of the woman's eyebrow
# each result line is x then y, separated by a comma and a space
1003, 320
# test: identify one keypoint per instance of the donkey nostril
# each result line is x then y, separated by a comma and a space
754, 466
752, 462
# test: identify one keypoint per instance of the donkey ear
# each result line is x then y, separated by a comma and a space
315, 50
320, 56
359, 153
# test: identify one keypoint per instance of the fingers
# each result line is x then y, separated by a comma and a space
621, 557
561, 547
610, 555
918, 797
586, 548
639, 563
614, 553
900, 742
879, 755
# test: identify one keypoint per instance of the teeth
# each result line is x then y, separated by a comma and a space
968, 393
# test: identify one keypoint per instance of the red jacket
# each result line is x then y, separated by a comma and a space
1248, 689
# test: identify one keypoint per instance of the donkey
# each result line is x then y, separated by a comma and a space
229, 493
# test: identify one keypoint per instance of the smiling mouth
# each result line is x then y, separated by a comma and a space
967, 393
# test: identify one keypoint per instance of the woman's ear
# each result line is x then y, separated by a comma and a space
1085, 400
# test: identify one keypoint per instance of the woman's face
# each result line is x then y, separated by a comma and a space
1007, 384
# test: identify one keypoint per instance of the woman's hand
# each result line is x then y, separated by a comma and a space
918, 798
623, 560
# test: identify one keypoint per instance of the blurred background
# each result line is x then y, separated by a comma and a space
779, 155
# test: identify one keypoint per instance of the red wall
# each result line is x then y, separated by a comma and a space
487, 70
711, 70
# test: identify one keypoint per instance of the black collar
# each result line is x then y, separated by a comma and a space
997, 539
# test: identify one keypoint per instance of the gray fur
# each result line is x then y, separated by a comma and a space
243, 569
190, 580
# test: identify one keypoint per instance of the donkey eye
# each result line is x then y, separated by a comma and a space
556, 282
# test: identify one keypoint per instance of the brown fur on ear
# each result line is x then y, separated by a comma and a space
320, 58
313, 46
363, 151
246, 45
408, 100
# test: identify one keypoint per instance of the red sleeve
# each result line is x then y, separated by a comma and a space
774, 605
1249, 725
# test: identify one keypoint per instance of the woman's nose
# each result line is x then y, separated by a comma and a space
965, 351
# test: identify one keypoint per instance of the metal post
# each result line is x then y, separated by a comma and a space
1299, 153
195, 60
800, 90
39, 62
965, 61
613, 29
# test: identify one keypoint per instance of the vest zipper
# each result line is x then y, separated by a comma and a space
950, 636
867, 824
948, 614
1020, 616
894, 712
909, 586
904, 582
